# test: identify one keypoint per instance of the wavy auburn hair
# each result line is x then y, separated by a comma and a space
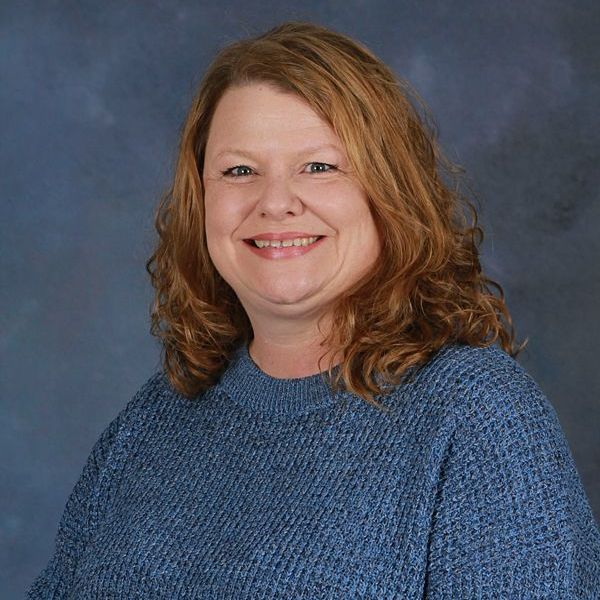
426, 290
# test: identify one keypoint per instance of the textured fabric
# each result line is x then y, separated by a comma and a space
276, 488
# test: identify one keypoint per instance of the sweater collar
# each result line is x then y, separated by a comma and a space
246, 384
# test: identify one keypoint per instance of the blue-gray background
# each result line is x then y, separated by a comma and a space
92, 99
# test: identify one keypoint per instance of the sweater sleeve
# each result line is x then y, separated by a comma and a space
511, 518
84, 507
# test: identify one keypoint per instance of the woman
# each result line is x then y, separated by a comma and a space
311, 223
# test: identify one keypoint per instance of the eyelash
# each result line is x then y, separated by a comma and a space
229, 172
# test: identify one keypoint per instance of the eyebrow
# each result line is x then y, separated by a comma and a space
307, 150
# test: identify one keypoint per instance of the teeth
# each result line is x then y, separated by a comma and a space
285, 243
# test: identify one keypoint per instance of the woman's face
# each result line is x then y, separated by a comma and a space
273, 166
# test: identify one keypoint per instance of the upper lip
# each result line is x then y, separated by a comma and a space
284, 235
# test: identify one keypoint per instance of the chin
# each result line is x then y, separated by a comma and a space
288, 297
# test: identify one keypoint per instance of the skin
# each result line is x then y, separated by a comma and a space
283, 185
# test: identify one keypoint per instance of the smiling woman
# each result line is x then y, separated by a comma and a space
312, 216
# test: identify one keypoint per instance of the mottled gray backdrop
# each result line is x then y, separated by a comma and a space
92, 98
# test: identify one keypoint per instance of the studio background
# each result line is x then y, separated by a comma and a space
93, 97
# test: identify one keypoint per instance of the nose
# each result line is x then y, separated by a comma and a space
277, 197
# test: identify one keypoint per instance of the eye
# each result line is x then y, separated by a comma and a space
237, 171
320, 167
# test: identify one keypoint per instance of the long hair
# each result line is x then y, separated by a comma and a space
427, 288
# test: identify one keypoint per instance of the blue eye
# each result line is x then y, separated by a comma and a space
320, 167
238, 171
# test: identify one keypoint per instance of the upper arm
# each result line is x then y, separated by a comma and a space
77, 521
511, 518
86, 503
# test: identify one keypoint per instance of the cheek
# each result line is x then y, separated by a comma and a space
346, 205
358, 222
222, 213
215, 226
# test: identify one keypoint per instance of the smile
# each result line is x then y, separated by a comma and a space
306, 241
288, 251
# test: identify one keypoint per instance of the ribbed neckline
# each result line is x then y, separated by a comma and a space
248, 385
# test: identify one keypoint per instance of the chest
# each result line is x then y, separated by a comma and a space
272, 517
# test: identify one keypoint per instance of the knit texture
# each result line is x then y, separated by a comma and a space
277, 488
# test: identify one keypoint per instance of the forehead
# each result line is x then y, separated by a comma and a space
261, 114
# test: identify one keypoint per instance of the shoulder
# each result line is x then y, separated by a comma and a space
151, 392
147, 397
498, 410
507, 489
152, 398
144, 408
487, 388
473, 365
477, 371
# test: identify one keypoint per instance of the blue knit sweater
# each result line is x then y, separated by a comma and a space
276, 488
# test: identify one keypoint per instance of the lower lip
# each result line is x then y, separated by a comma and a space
281, 252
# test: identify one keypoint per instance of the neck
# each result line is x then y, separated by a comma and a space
248, 385
287, 359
